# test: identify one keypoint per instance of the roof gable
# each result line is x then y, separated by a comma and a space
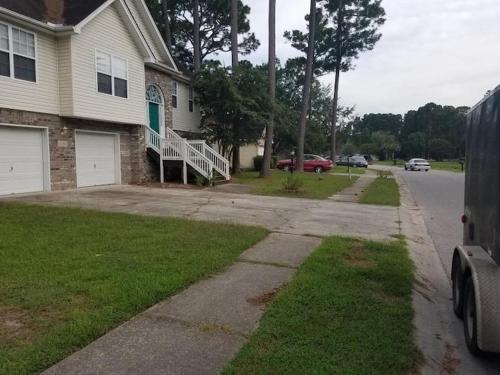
78, 13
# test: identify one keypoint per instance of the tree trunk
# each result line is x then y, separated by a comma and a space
196, 36
333, 146
234, 55
306, 95
166, 25
268, 147
234, 33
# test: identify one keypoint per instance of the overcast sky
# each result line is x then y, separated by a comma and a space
445, 51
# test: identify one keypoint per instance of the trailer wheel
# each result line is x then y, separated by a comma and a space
458, 295
470, 318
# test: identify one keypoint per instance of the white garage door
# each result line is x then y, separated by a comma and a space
96, 159
21, 160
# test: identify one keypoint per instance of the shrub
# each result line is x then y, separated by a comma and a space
293, 183
258, 161
274, 162
200, 180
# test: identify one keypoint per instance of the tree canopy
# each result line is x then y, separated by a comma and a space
431, 131
215, 28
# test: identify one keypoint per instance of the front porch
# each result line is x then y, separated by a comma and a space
196, 154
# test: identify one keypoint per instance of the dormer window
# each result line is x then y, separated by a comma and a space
17, 53
112, 75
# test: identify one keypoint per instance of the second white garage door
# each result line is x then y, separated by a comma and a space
97, 159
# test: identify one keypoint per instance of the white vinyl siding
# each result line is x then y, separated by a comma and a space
108, 33
65, 79
182, 119
40, 96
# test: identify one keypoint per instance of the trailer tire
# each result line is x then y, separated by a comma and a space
458, 287
470, 318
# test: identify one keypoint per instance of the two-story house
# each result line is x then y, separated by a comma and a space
86, 89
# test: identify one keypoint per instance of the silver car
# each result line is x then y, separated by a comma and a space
418, 165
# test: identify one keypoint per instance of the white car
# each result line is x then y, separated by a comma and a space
418, 165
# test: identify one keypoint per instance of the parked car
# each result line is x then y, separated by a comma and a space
418, 165
356, 161
312, 163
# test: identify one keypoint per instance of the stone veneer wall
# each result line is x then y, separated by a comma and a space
135, 165
163, 81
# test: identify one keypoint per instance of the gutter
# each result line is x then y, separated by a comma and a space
170, 71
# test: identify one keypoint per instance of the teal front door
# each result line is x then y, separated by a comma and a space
154, 117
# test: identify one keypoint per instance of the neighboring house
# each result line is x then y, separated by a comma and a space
90, 95
249, 152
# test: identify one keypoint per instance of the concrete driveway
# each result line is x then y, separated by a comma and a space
198, 331
284, 215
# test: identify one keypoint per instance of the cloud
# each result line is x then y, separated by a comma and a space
443, 51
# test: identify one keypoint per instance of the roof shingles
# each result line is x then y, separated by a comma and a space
62, 12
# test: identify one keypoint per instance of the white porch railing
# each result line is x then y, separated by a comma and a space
201, 158
221, 164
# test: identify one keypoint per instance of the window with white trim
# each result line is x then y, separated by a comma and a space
112, 75
191, 99
17, 53
174, 94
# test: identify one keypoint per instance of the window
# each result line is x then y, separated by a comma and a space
112, 73
4, 51
174, 94
17, 53
191, 99
120, 77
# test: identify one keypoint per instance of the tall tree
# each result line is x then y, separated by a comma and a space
214, 27
167, 32
268, 146
357, 23
196, 36
234, 59
306, 96
227, 97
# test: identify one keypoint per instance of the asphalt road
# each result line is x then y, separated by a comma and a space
441, 196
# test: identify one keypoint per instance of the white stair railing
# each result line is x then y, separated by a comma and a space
174, 147
153, 140
221, 164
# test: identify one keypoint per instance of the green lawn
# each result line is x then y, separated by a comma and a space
343, 169
382, 191
347, 311
315, 186
399, 163
67, 275
452, 166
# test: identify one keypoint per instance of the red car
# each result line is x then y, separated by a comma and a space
312, 163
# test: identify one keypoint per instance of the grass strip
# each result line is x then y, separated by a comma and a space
314, 186
347, 311
382, 191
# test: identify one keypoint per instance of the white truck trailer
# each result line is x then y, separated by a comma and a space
476, 264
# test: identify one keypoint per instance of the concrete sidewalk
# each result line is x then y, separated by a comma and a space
199, 330
354, 192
